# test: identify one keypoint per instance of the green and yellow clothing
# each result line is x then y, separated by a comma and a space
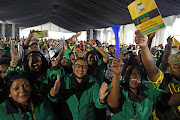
10, 110
111, 55
18, 68
71, 46
7, 51
164, 71
155, 58
66, 54
98, 71
171, 85
140, 107
41, 84
78, 100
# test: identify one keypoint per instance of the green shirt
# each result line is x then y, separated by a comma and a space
3, 93
99, 71
42, 112
83, 109
143, 109
42, 87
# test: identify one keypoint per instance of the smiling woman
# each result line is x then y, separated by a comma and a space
21, 103
80, 68
132, 98
20, 91
79, 94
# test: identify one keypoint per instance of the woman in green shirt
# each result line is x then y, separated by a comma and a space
41, 75
133, 99
80, 94
22, 104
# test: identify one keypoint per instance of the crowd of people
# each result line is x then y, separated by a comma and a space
77, 80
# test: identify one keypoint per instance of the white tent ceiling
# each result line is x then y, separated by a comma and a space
48, 26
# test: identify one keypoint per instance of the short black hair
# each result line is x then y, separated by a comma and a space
110, 46
71, 53
80, 58
132, 61
93, 52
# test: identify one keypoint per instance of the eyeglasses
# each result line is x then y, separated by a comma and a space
81, 66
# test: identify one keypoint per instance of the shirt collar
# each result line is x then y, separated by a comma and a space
140, 92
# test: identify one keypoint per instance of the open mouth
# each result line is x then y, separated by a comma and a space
134, 81
36, 67
79, 72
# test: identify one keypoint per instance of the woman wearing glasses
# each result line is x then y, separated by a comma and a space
79, 94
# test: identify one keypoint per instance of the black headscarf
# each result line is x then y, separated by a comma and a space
12, 76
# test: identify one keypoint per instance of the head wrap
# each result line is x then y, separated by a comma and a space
174, 59
12, 76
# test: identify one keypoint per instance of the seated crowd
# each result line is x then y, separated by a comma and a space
76, 80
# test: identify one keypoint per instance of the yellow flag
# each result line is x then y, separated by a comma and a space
41, 34
176, 42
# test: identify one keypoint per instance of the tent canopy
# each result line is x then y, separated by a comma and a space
48, 26
75, 15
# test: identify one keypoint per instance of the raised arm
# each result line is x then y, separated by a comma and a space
113, 97
14, 55
73, 37
30, 37
55, 89
60, 56
147, 59
150, 38
167, 53
103, 53
53, 59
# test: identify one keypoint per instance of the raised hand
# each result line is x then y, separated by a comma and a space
170, 40
54, 91
103, 92
51, 43
78, 34
79, 52
47, 52
14, 55
117, 65
31, 35
140, 39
